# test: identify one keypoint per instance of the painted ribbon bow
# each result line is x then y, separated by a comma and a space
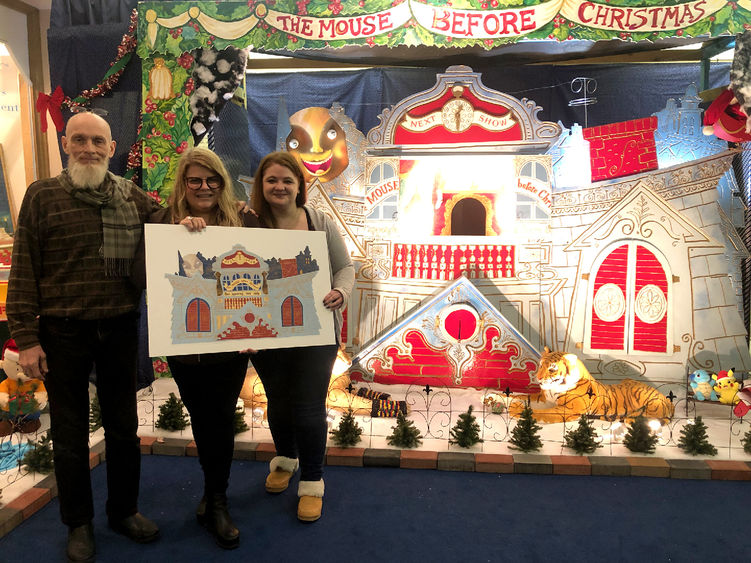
52, 104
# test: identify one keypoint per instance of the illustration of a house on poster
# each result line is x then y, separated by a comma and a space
238, 298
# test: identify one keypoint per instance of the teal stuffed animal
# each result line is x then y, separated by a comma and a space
701, 384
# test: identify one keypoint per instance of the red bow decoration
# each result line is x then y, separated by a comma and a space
52, 104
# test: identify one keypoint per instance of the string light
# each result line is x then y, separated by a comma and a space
617, 431
330, 418
656, 428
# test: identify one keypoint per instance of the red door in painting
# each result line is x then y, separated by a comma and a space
629, 302
197, 316
291, 311
650, 303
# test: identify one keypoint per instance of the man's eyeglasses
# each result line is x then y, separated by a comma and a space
213, 182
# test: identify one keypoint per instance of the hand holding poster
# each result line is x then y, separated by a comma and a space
225, 289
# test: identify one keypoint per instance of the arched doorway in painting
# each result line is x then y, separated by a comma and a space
291, 311
630, 297
468, 218
198, 316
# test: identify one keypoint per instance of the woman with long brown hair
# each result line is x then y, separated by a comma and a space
296, 380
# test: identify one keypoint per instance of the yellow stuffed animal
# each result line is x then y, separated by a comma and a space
726, 387
21, 398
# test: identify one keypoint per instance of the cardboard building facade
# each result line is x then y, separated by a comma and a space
634, 269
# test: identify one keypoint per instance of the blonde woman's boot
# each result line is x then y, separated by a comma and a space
311, 500
281, 470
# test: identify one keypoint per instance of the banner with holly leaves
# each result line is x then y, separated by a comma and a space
170, 33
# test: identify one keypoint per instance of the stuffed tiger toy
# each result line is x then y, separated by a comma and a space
569, 390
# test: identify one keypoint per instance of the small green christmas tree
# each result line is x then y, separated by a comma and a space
239, 422
525, 436
583, 439
466, 431
348, 432
38, 458
404, 434
694, 440
639, 437
95, 415
172, 415
746, 441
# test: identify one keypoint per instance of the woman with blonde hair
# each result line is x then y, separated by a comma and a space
202, 196
214, 201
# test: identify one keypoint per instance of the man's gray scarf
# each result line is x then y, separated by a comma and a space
121, 225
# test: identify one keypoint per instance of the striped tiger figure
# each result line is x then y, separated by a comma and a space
568, 390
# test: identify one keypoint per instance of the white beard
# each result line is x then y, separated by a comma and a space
88, 175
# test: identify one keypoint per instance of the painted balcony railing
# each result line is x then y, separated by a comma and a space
449, 261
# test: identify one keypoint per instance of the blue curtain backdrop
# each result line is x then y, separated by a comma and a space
65, 13
623, 92
79, 58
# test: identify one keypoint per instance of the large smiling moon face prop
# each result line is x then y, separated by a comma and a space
318, 143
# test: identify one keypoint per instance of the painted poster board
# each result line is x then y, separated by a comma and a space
226, 288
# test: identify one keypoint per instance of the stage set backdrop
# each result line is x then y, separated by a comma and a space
486, 227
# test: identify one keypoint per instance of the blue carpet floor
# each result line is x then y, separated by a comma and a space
379, 514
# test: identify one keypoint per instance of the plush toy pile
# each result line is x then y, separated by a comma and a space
721, 387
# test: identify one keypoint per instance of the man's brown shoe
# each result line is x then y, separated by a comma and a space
81, 547
136, 527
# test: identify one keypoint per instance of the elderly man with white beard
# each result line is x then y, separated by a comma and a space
72, 307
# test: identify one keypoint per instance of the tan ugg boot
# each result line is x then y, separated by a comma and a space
281, 470
311, 500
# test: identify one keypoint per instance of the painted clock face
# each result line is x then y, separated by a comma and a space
457, 115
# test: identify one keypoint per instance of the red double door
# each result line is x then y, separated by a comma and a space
630, 302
